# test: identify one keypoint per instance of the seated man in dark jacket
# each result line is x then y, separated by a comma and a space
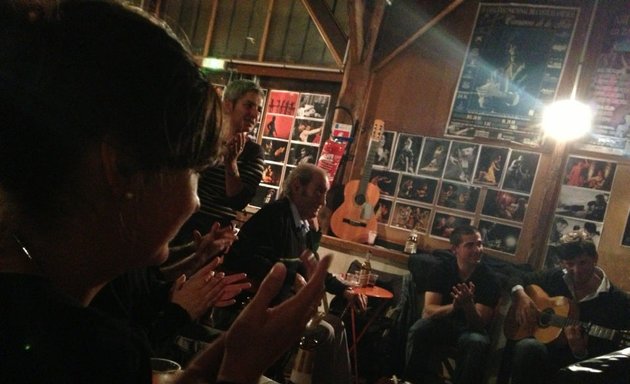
281, 231
599, 303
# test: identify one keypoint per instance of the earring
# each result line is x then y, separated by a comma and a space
129, 195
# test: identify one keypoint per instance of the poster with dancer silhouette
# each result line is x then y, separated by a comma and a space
283, 102
511, 70
609, 89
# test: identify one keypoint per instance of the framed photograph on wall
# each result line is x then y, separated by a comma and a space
459, 196
272, 174
407, 153
461, 161
383, 154
521, 171
386, 181
505, 205
277, 126
383, 210
302, 154
307, 131
589, 173
433, 157
444, 223
491, 165
511, 70
282, 102
274, 150
582, 203
499, 237
609, 89
417, 188
411, 217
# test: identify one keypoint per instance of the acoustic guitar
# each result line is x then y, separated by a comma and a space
555, 313
354, 218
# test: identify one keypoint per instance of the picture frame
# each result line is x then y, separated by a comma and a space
512, 68
274, 150
582, 203
385, 180
499, 237
433, 157
407, 153
411, 217
589, 173
417, 188
463, 197
505, 205
491, 165
444, 223
521, 171
277, 126
383, 210
462, 157
383, 154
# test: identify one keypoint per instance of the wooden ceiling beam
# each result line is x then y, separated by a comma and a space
335, 39
430, 24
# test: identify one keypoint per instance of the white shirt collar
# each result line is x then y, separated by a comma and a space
299, 223
604, 284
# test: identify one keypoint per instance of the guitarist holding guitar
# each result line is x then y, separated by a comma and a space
542, 324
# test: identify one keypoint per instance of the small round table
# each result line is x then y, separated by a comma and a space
372, 291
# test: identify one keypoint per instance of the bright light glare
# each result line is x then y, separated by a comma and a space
567, 120
213, 63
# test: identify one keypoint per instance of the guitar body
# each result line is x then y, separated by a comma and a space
559, 306
355, 218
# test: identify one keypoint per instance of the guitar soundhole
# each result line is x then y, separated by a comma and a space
359, 199
545, 318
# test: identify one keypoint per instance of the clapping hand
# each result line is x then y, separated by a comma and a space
216, 242
463, 294
206, 288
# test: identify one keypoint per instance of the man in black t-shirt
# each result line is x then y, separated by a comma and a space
459, 304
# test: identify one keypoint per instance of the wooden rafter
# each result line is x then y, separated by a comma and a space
333, 36
430, 24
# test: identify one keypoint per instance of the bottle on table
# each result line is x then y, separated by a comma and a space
302, 372
411, 245
366, 269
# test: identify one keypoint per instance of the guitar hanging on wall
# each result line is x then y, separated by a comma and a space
355, 218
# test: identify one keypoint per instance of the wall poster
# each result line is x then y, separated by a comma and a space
609, 91
512, 69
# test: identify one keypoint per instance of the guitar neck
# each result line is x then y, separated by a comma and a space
365, 176
591, 329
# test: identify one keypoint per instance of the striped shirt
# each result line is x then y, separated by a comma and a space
211, 190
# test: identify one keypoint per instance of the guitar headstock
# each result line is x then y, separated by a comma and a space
623, 338
377, 130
